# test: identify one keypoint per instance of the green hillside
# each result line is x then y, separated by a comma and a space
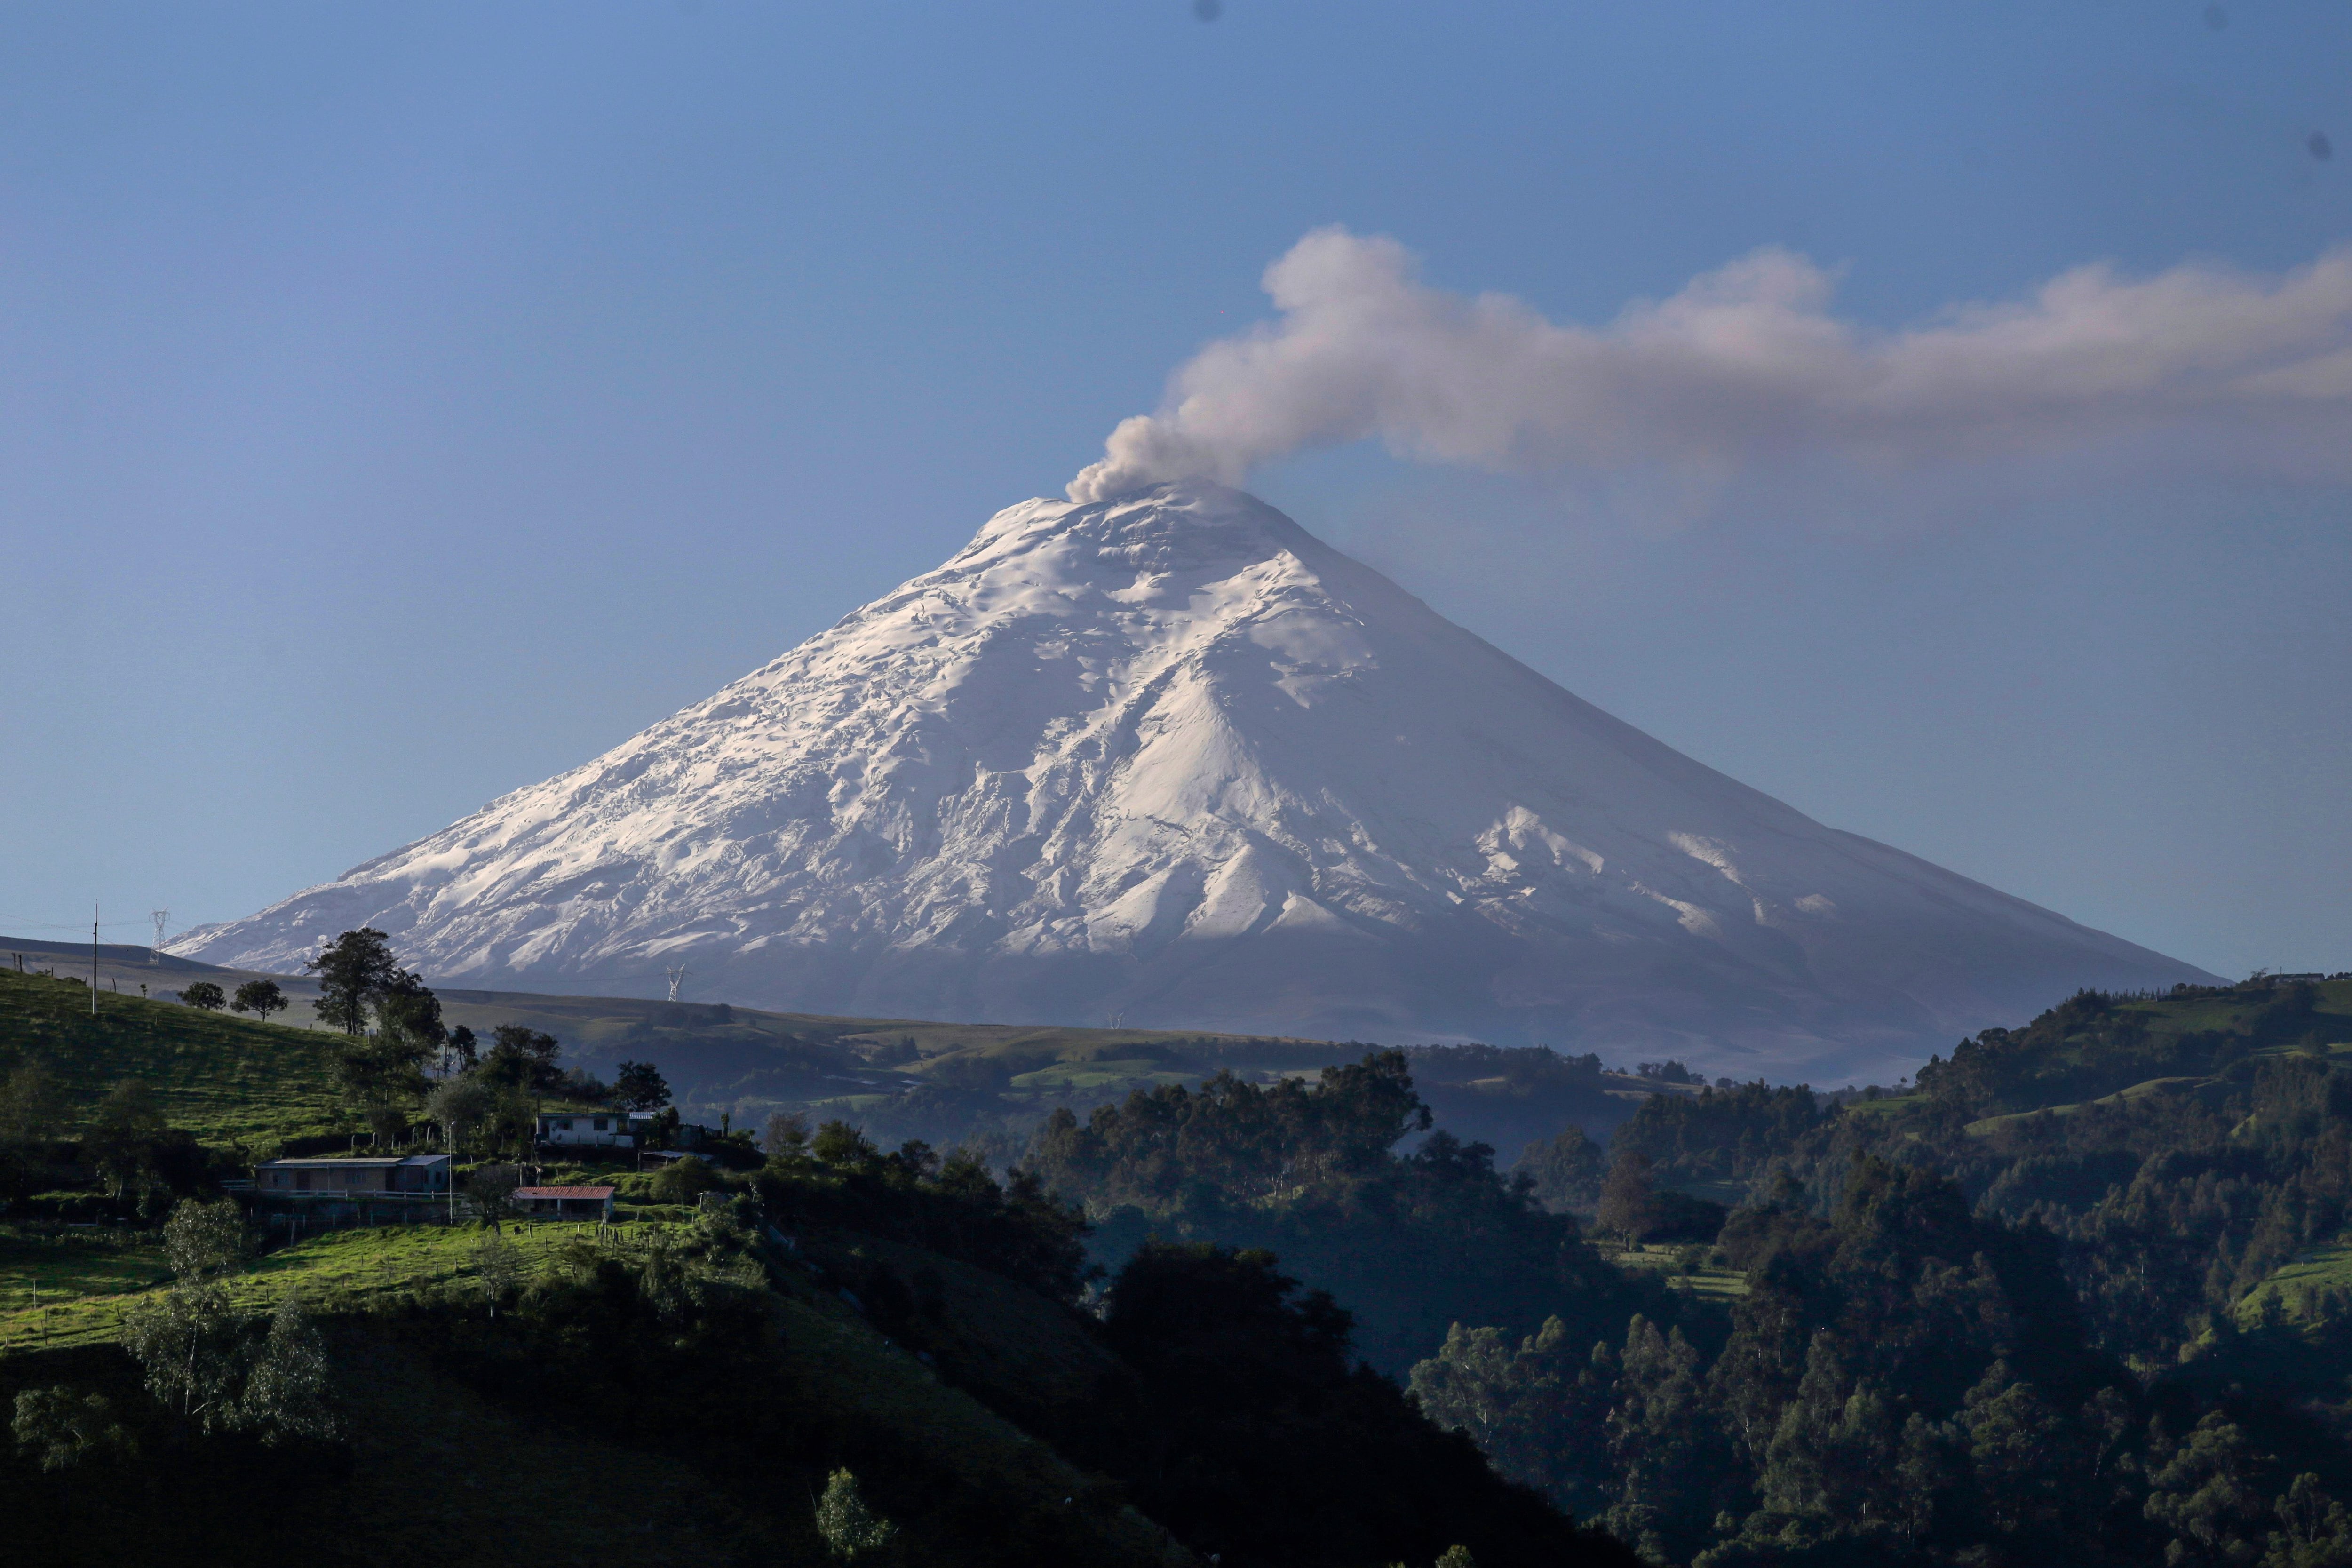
227, 1079
679, 1391
2083, 1291
989, 1084
681, 1385
440, 1466
2093, 1045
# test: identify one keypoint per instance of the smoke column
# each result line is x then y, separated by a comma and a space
1746, 367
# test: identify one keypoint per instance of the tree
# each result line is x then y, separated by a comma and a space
1565, 1169
787, 1134
683, 1181
30, 1104
200, 1359
360, 978
405, 1008
350, 970
464, 1051
639, 1086
2318, 1533
522, 1057
61, 1426
514, 1118
490, 1189
1625, 1198
661, 1129
124, 1137
850, 1528
30, 1110
205, 1240
188, 1339
2203, 1493
287, 1392
203, 995
384, 1072
498, 1264
1536, 1409
458, 1106
259, 997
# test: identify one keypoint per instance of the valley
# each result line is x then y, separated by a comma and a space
2123, 1223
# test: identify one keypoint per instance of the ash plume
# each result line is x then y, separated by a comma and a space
1746, 367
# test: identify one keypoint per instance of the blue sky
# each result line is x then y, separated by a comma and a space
404, 403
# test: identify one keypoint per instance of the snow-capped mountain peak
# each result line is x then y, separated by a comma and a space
1170, 756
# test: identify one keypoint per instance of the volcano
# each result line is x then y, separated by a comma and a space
1170, 760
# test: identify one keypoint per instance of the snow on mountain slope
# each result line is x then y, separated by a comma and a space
1171, 757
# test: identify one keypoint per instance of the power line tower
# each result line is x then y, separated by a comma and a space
676, 977
162, 918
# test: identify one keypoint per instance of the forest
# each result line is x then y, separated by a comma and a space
2079, 1292
2084, 1290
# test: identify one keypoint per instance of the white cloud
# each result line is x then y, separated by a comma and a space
1746, 368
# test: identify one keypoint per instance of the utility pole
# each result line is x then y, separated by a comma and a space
677, 977
160, 917
93, 958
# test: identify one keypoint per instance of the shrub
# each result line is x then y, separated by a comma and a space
850, 1528
684, 1182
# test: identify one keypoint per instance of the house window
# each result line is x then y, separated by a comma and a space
599, 1124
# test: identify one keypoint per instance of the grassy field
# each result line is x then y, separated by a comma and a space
1885, 1105
224, 1078
63, 1289
73, 1290
1990, 1124
2167, 1019
2173, 1016
1095, 1074
2177, 1085
2300, 1287
1666, 1260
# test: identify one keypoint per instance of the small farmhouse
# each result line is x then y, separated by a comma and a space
394, 1176
610, 1130
564, 1203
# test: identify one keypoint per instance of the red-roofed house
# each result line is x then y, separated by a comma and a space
564, 1203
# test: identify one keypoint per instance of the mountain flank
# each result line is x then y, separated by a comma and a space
1171, 760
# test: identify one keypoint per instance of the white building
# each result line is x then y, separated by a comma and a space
598, 1130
